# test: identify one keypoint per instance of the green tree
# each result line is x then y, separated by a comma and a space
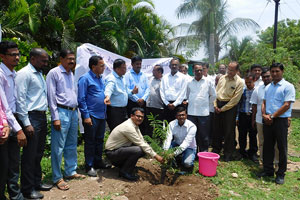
212, 26
237, 48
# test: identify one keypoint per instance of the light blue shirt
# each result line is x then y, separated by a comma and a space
141, 81
60, 90
276, 95
116, 90
31, 92
7, 84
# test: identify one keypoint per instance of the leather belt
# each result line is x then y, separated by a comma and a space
66, 107
37, 111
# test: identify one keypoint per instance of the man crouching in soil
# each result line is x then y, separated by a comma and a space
125, 145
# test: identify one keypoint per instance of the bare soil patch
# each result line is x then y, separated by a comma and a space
108, 185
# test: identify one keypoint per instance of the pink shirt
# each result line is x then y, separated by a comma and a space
3, 119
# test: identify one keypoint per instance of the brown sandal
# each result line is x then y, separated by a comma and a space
62, 185
76, 176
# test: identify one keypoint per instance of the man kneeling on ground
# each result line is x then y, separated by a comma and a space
125, 145
181, 133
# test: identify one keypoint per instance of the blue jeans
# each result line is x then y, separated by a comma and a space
93, 141
188, 156
64, 142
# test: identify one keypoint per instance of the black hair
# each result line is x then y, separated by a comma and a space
64, 52
255, 66
160, 68
265, 70
136, 58
180, 109
5, 45
281, 67
118, 63
198, 63
37, 52
250, 75
133, 110
205, 65
94, 60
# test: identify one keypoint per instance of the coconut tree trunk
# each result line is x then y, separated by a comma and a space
211, 45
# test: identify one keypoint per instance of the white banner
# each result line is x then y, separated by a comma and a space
85, 51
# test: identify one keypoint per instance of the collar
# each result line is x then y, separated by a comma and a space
116, 75
133, 72
62, 69
94, 75
7, 71
202, 79
177, 74
134, 125
32, 68
234, 78
279, 83
185, 123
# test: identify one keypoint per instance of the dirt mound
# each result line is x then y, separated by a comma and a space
157, 185
108, 185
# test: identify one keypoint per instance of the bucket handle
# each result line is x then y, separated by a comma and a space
215, 161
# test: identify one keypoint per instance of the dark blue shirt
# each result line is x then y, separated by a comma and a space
91, 96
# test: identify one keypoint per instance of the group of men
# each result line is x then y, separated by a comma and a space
202, 111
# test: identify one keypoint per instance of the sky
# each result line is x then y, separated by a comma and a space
259, 10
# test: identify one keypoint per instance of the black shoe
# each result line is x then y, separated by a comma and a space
279, 180
33, 195
44, 187
265, 174
128, 176
254, 158
92, 172
102, 165
244, 154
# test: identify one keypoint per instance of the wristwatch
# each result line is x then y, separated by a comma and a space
272, 117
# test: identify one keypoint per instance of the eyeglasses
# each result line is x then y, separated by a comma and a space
139, 116
267, 76
173, 65
13, 54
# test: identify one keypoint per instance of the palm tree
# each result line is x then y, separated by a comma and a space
237, 48
212, 27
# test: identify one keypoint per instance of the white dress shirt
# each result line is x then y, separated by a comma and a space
173, 88
7, 85
154, 99
257, 98
200, 94
183, 135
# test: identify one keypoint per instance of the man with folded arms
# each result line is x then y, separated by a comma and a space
62, 100
93, 112
31, 109
125, 145
10, 151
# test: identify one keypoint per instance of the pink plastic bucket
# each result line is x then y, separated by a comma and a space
208, 162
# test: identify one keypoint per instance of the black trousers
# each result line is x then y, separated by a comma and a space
156, 112
245, 127
224, 128
211, 126
115, 116
13, 188
31, 171
129, 107
125, 157
202, 136
3, 168
276, 132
